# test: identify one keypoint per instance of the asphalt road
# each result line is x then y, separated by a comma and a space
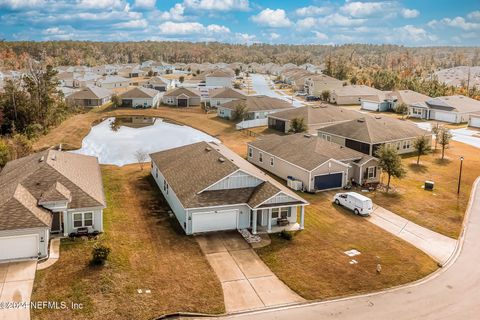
262, 87
451, 293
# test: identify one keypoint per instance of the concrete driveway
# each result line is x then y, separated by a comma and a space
247, 282
16, 283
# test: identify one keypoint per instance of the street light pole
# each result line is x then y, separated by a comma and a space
460, 175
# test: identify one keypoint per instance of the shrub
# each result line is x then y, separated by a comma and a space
100, 254
286, 235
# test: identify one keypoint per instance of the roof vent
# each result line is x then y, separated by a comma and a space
41, 159
378, 117
54, 157
208, 149
221, 159
306, 135
361, 120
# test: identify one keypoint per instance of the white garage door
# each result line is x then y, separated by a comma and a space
214, 221
19, 247
475, 122
445, 116
372, 106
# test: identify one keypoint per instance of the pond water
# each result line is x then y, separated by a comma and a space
117, 141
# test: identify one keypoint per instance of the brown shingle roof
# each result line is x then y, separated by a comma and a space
139, 93
191, 169
47, 175
91, 92
259, 103
375, 129
313, 115
304, 150
179, 91
226, 93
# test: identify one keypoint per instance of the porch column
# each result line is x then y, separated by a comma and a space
302, 217
269, 220
65, 222
254, 222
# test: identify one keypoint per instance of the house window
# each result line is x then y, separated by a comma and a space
280, 212
372, 172
275, 213
398, 146
271, 161
82, 219
250, 152
260, 157
406, 144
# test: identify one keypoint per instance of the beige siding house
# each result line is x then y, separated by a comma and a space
257, 107
182, 97
91, 96
316, 84
220, 96
318, 164
353, 94
139, 97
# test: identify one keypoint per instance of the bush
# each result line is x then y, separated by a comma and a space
100, 254
286, 235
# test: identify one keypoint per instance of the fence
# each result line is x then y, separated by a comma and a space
245, 124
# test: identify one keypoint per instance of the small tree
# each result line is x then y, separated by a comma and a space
436, 131
100, 254
181, 79
116, 101
444, 137
237, 72
402, 109
141, 157
297, 125
390, 162
4, 153
421, 145
240, 112
326, 95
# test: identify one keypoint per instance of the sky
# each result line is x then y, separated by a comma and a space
409, 22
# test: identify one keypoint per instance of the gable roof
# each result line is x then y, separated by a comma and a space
185, 91
91, 92
219, 74
49, 175
220, 93
259, 103
157, 80
375, 129
409, 97
304, 150
354, 90
191, 169
138, 93
323, 114
457, 103
113, 79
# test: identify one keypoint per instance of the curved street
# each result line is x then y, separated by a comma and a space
451, 293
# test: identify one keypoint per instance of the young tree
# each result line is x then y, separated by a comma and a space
421, 145
436, 131
237, 72
402, 109
390, 162
240, 112
326, 95
444, 137
4, 153
116, 101
141, 157
297, 125
181, 79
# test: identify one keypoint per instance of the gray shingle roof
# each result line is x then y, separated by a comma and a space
179, 91
226, 93
312, 115
456, 103
139, 93
259, 103
91, 92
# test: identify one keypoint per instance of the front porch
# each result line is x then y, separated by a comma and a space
278, 218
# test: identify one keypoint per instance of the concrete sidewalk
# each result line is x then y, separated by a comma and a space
247, 282
436, 245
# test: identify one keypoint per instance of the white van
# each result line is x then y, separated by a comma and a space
356, 202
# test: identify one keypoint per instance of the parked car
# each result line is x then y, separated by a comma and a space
312, 98
301, 94
356, 202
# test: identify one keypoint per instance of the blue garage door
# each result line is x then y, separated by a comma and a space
328, 181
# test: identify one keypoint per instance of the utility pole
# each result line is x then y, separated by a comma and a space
460, 175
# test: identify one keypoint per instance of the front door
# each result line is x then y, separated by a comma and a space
57, 222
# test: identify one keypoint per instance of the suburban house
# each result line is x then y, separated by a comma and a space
316, 84
220, 96
139, 97
112, 82
66, 79
85, 80
314, 117
91, 96
453, 109
211, 188
219, 79
316, 163
389, 100
157, 83
48, 192
296, 77
182, 97
257, 107
367, 134
474, 120
353, 94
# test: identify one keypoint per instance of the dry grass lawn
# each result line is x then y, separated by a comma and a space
441, 210
315, 266
149, 251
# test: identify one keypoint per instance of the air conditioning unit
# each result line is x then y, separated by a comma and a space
294, 184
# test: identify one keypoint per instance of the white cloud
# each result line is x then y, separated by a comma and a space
364, 9
215, 28
474, 15
21, 4
457, 22
410, 33
272, 18
274, 36
245, 38
410, 13
102, 4
337, 19
306, 23
218, 5
145, 4
312, 11
132, 24
175, 13
191, 28
320, 35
